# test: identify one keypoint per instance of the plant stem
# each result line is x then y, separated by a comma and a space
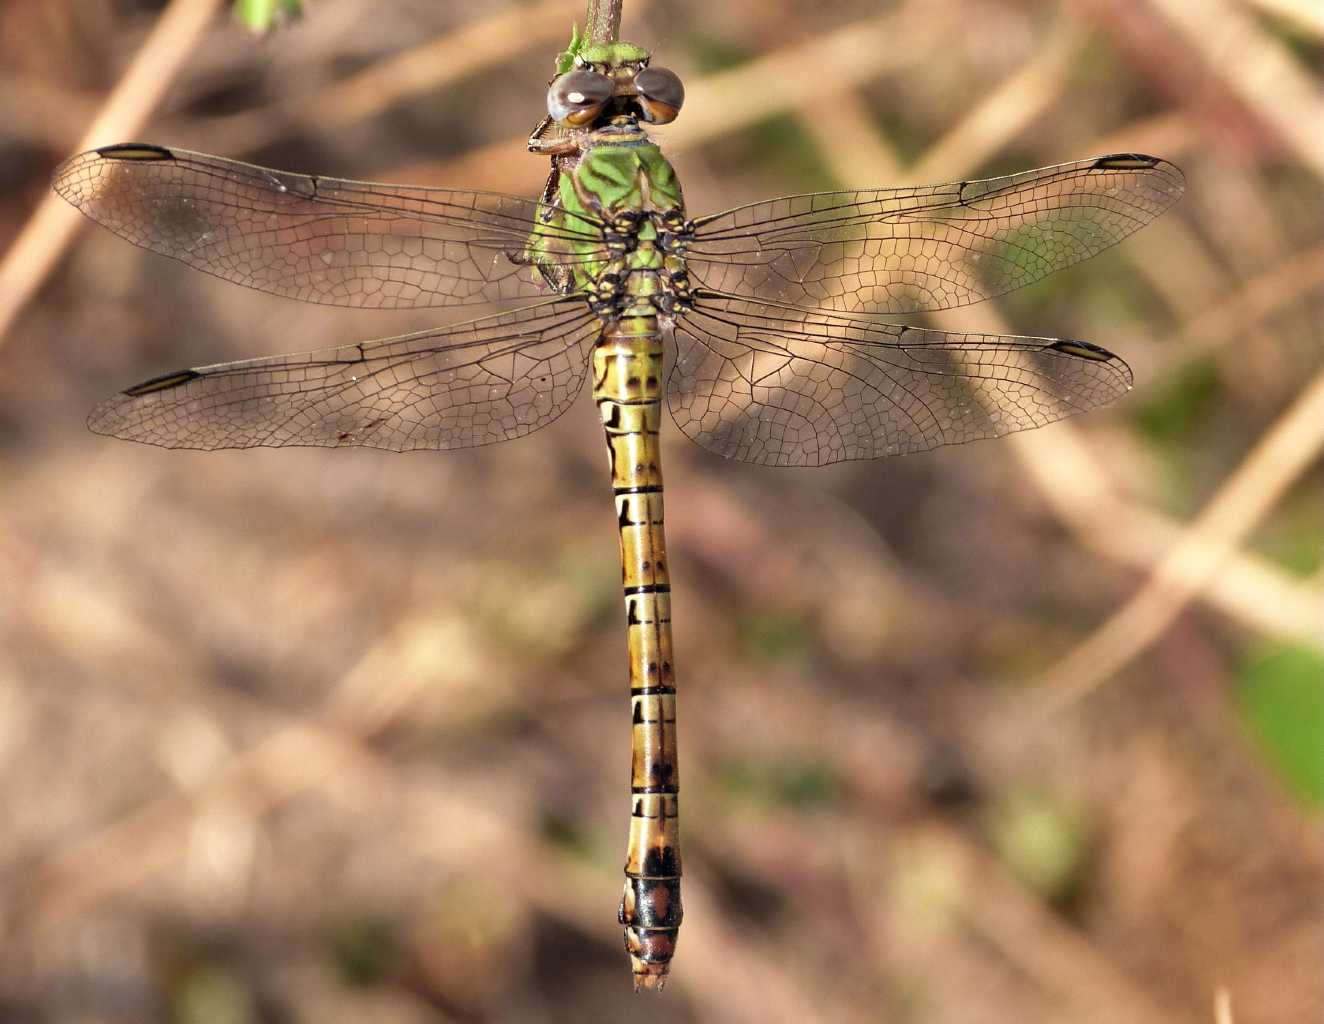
602, 23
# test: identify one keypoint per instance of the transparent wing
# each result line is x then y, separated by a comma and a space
781, 386
327, 240
468, 384
933, 247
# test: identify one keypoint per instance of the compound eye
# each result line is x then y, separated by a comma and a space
578, 97
661, 94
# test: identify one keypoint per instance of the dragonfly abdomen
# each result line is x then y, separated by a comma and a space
627, 387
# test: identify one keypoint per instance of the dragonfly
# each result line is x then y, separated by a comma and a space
769, 330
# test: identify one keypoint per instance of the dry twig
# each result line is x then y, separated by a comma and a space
1222, 1006
1304, 14
1007, 111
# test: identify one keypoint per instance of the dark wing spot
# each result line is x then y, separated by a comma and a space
1125, 162
1081, 350
135, 151
162, 383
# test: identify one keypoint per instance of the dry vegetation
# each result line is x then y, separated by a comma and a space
1023, 731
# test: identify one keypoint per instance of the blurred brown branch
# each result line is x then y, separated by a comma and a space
1014, 105
1304, 14
1256, 300
1223, 1006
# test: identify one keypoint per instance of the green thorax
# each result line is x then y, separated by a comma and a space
610, 178
622, 181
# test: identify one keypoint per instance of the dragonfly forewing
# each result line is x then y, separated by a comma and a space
907, 250
319, 239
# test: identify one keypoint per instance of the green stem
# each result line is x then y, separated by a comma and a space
603, 21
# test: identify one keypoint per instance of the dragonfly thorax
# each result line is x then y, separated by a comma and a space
615, 230
646, 276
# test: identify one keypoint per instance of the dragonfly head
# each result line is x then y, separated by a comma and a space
614, 84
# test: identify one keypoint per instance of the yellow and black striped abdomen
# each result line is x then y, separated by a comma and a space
627, 386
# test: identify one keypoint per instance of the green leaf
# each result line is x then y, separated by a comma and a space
786, 780
1282, 702
1180, 404
211, 993
1294, 535
264, 15
363, 950
711, 53
1042, 839
566, 60
776, 636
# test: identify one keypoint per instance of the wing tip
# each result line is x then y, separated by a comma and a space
64, 179
106, 418
67, 179
1143, 162
1090, 352
100, 419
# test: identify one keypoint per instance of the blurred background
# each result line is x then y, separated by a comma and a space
1027, 730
